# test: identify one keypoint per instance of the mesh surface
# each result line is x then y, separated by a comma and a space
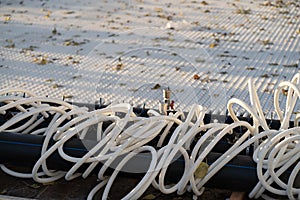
120, 51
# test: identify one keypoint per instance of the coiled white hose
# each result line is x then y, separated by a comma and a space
127, 135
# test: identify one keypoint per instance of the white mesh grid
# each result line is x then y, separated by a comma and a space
242, 39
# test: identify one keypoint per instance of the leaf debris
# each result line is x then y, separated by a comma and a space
35, 186
265, 76
213, 45
55, 86
291, 65
250, 68
155, 87
41, 60
201, 170
204, 3
76, 76
149, 197
10, 44
67, 96
196, 77
118, 67
266, 42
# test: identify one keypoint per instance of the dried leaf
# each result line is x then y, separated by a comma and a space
179, 91
67, 43
284, 12
8, 18
132, 90
4, 191
201, 171
158, 9
75, 62
266, 42
284, 92
69, 12
274, 74
48, 14
49, 80
67, 96
12, 45
234, 40
155, 87
250, 68
71, 42
35, 186
41, 60
177, 198
204, 3
213, 45
30, 48
200, 60
118, 67
243, 11
55, 86
196, 77
50, 183
149, 197
54, 31
291, 65
265, 76
227, 56
77, 76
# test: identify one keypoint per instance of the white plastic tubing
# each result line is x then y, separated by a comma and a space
127, 136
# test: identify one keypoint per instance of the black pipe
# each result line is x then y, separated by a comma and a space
142, 112
223, 145
238, 175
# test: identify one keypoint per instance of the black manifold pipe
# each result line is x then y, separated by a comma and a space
238, 175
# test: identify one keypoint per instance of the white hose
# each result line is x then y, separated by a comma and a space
276, 151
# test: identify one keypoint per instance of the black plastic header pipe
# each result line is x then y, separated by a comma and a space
238, 175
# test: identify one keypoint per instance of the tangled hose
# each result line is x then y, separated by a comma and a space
275, 151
